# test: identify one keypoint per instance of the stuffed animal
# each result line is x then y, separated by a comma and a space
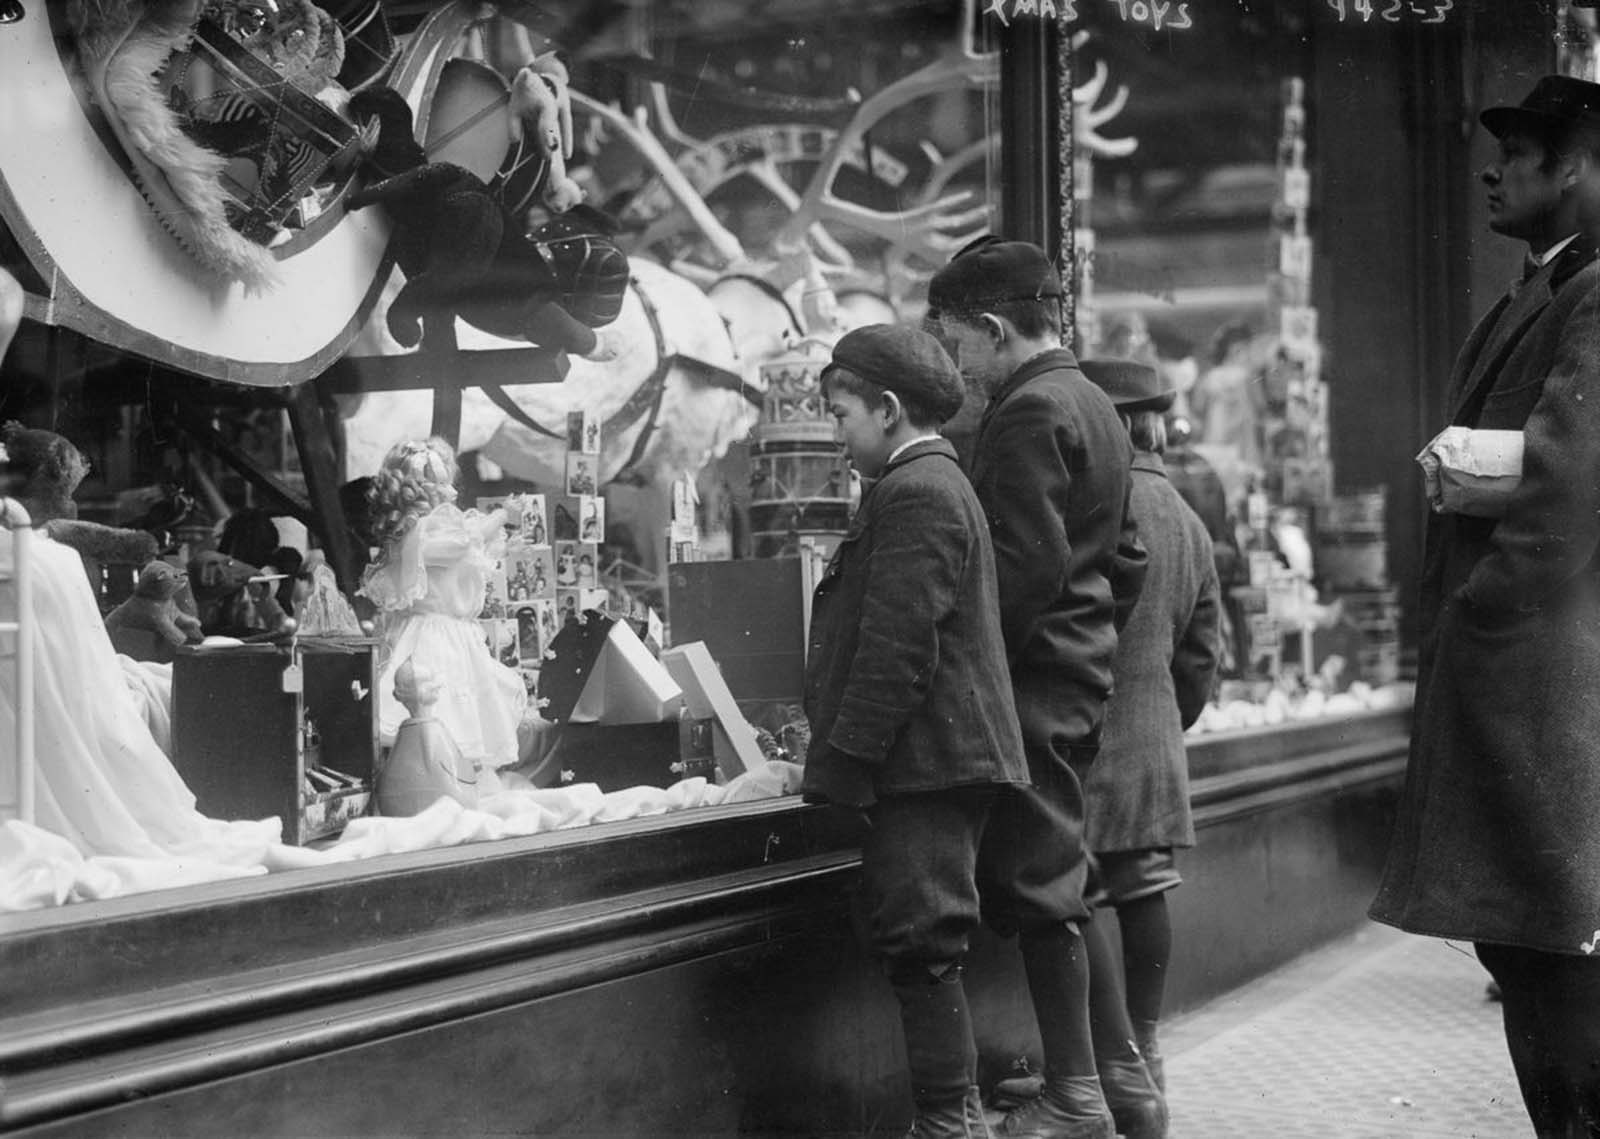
42, 470
228, 604
464, 253
540, 97
154, 608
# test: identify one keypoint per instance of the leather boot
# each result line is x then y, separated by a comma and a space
1150, 1049
951, 1119
1060, 1112
1136, 1103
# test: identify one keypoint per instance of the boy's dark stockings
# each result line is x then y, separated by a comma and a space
1146, 951
1058, 982
940, 1051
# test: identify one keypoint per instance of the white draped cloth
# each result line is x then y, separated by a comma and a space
113, 817
103, 784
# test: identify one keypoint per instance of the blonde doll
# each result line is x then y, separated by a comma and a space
428, 586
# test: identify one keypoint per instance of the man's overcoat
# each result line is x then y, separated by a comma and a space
905, 688
1498, 834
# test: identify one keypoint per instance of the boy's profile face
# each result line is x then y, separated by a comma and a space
861, 429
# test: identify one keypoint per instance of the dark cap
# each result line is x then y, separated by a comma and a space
1555, 103
990, 270
1131, 385
903, 360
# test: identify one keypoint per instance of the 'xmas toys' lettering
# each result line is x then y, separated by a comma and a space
1158, 14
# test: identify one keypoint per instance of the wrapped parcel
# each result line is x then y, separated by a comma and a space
1471, 472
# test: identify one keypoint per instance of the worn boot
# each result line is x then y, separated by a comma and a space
1136, 1103
1070, 1107
1144, 1035
951, 1119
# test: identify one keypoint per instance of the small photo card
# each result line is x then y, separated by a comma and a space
566, 554
568, 606
582, 473
588, 567
529, 636
564, 510
502, 636
535, 523
591, 518
549, 625
494, 594
582, 427
529, 573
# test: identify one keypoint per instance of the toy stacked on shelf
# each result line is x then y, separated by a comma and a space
683, 531
1353, 563
549, 572
1295, 428
1277, 612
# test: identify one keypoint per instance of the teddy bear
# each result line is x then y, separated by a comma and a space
464, 251
153, 608
540, 96
42, 470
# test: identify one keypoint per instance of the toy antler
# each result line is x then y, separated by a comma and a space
1089, 119
923, 228
637, 131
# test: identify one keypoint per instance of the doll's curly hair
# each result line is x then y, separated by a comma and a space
415, 477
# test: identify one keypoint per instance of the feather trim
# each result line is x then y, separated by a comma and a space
180, 178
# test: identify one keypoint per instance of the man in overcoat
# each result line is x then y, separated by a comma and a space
1050, 464
1497, 841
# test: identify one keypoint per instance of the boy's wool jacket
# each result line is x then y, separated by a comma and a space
1051, 466
1138, 789
1498, 833
906, 685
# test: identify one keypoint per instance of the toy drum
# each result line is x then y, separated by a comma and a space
797, 490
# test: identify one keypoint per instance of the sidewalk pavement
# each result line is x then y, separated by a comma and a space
1379, 1036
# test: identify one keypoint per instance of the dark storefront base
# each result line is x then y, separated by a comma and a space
685, 978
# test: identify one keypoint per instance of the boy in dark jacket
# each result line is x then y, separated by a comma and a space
911, 713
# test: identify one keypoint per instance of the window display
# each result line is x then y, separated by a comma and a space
602, 254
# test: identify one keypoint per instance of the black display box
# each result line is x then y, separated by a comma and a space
252, 740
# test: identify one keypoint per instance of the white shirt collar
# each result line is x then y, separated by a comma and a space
895, 454
1549, 255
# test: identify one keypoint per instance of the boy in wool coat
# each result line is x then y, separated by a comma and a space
912, 719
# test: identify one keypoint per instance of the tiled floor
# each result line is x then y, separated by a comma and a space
1381, 1036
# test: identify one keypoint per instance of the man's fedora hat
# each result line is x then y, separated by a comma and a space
1555, 103
1131, 385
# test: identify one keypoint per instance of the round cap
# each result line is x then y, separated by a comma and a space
990, 270
904, 360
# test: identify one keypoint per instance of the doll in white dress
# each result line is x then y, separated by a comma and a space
428, 586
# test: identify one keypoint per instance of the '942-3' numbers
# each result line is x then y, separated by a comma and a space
1431, 11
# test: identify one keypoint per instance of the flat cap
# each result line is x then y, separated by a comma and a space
990, 270
1131, 385
903, 360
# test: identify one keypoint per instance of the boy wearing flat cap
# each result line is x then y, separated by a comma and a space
1050, 465
1495, 839
911, 716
